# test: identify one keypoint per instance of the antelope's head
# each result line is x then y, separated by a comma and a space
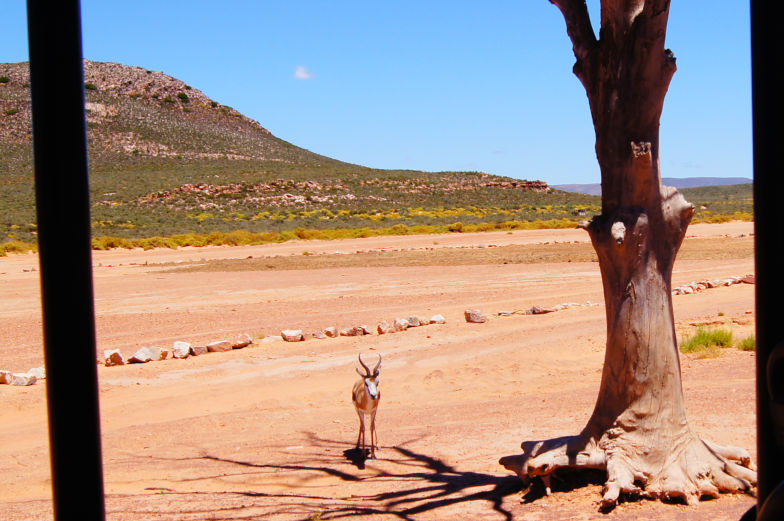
370, 377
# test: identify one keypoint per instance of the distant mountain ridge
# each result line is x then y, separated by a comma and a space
677, 182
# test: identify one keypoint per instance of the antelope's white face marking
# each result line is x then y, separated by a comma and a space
371, 385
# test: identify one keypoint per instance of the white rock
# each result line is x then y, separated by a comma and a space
475, 316
292, 335
331, 331
355, 331
142, 356
537, 310
384, 328
413, 321
181, 350
242, 340
5, 377
437, 319
401, 324
320, 335
22, 379
113, 357
270, 339
365, 329
38, 372
158, 353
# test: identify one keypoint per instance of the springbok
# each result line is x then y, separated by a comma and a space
366, 396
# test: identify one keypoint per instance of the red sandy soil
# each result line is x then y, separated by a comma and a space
267, 432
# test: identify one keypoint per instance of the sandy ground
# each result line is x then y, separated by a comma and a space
267, 432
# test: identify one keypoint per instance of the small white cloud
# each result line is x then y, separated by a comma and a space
302, 73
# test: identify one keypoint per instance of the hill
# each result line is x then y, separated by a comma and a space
166, 159
677, 182
134, 111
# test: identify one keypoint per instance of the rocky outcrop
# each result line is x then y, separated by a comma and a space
199, 350
219, 346
533, 186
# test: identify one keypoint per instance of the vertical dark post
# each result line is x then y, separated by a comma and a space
768, 112
63, 206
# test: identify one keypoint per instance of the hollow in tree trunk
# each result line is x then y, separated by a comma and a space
638, 431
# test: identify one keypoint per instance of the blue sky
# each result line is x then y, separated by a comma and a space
427, 84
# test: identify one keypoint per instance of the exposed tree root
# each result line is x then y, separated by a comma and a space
688, 469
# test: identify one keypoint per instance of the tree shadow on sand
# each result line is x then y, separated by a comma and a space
411, 483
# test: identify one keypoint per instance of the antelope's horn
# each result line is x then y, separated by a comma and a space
367, 369
375, 369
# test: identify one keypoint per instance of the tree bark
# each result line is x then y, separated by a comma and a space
638, 431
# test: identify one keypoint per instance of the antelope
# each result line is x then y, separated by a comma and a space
366, 396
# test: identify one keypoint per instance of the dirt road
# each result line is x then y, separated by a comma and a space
267, 432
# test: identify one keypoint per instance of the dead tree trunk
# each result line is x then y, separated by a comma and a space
638, 432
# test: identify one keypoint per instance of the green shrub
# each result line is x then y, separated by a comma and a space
4, 79
183, 97
11, 111
108, 243
16, 247
707, 342
748, 344
156, 242
168, 99
90, 86
400, 229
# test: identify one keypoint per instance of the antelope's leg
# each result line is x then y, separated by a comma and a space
361, 435
373, 435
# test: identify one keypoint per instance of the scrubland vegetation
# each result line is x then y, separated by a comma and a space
171, 169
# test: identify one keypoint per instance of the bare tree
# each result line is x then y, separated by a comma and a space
638, 431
